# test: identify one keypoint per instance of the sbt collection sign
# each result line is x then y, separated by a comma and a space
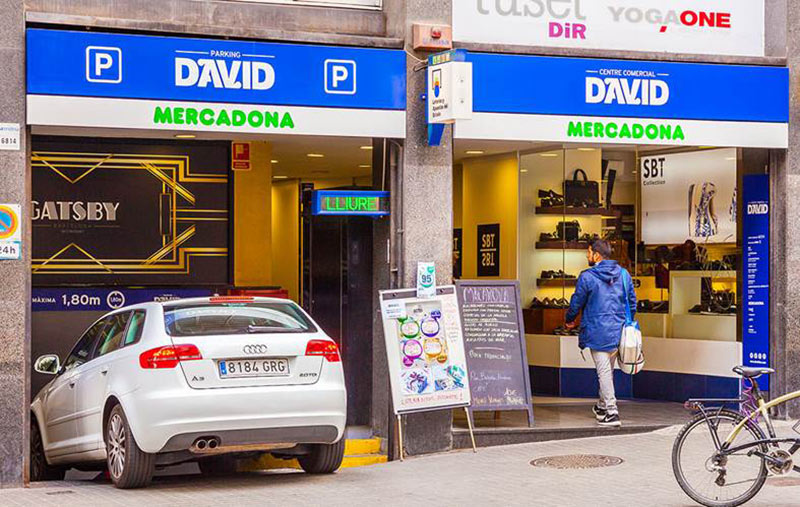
350, 202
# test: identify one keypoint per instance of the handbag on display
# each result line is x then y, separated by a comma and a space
569, 230
581, 192
631, 357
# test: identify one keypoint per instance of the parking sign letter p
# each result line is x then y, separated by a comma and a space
340, 74
102, 61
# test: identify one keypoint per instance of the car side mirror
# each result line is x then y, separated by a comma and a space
48, 364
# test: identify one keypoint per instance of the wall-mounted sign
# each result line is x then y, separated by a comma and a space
432, 37
9, 136
716, 27
240, 154
489, 250
755, 286
172, 83
350, 202
689, 196
425, 349
458, 252
449, 87
531, 98
10, 231
426, 279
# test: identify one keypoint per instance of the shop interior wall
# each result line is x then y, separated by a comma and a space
490, 187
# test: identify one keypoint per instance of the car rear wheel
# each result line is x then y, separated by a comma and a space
128, 466
40, 469
218, 465
323, 458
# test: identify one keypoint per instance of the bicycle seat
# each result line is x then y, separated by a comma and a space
748, 372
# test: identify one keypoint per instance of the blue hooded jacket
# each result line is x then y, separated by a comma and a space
601, 296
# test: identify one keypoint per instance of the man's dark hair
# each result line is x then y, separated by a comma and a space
602, 247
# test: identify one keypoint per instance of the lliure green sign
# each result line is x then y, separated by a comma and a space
625, 130
351, 202
224, 117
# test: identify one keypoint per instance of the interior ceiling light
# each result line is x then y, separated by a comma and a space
366, 147
315, 155
279, 177
365, 166
523, 170
550, 155
585, 149
475, 152
273, 161
185, 136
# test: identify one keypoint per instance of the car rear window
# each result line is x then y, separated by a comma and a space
235, 318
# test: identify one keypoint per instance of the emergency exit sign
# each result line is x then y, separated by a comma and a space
351, 202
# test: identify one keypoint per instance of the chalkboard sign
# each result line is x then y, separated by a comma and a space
494, 341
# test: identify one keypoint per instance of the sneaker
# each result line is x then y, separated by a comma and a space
610, 421
599, 413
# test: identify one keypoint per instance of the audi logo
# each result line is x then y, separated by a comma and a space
255, 349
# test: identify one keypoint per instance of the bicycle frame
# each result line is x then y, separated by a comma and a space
763, 410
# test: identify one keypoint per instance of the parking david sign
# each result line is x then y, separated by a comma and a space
719, 27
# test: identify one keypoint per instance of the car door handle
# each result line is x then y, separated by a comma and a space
104, 371
72, 384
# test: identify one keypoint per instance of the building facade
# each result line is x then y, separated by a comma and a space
346, 111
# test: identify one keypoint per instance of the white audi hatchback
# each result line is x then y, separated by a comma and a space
208, 380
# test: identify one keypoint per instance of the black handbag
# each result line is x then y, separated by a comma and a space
581, 192
569, 231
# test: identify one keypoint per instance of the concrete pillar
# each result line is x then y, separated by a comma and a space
786, 230
15, 289
427, 218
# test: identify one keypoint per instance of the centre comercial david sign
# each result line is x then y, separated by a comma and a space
718, 27
534, 98
167, 83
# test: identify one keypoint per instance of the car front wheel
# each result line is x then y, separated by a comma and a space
40, 470
128, 466
323, 458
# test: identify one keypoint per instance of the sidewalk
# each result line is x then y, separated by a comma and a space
494, 476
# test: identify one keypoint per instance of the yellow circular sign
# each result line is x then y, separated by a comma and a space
9, 223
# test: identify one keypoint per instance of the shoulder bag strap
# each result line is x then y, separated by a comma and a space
625, 300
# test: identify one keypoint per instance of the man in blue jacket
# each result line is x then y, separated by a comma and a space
601, 296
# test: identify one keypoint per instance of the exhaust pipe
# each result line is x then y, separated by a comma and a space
205, 445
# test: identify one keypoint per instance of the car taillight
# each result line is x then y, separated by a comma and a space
324, 348
168, 357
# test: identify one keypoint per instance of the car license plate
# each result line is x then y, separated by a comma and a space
262, 367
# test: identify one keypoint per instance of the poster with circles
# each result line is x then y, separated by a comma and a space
425, 349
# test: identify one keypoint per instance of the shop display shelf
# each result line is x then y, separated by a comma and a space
562, 245
557, 282
569, 211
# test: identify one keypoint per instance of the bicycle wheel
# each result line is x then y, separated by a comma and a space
713, 481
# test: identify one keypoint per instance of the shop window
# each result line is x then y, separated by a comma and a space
671, 217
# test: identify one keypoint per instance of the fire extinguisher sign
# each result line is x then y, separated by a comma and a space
240, 154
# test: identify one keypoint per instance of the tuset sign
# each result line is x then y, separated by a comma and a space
713, 27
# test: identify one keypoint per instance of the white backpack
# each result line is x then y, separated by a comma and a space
631, 357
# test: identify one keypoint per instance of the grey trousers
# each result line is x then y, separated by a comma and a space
604, 363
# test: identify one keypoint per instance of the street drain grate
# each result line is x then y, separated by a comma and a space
577, 461
62, 492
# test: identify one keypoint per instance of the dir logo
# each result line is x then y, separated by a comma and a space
340, 77
103, 64
115, 299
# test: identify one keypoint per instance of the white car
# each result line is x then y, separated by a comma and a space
207, 379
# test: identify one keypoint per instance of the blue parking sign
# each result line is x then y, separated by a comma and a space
340, 77
103, 64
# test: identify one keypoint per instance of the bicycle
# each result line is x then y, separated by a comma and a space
718, 472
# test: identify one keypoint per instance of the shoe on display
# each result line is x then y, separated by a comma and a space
536, 303
599, 413
562, 303
610, 421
